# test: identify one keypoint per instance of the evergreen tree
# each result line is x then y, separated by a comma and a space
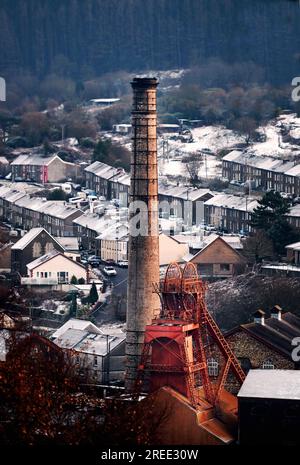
271, 217
93, 296
74, 280
73, 306
102, 151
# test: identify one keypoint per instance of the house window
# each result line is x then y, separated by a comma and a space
268, 365
37, 250
49, 247
225, 267
95, 361
213, 367
245, 364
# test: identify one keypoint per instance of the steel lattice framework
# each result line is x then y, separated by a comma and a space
177, 343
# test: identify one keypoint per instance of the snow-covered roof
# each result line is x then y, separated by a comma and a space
33, 159
233, 201
115, 231
56, 208
294, 171
68, 243
104, 171
183, 192
271, 384
263, 163
294, 246
84, 336
10, 195
76, 323
47, 257
104, 100
100, 224
294, 211
28, 237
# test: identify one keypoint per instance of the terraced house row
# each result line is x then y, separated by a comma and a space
26, 212
232, 213
265, 173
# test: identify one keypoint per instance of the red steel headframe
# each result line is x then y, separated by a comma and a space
182, 295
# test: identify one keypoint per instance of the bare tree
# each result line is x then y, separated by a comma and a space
246, 126
258, 247
193, 163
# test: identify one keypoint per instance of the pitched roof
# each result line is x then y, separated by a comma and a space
33, 159
30, 236
84, 336
233, 201
224, 243
49, 256
276, 334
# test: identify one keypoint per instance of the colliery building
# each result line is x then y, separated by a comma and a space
265, 173
269, 408
264, 343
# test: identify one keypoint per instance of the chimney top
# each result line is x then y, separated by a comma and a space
139, 82
259, 317
276, 312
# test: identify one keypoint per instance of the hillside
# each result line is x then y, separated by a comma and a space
82, 39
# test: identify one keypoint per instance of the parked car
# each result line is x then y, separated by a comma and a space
109, 271
123, 264
93, 260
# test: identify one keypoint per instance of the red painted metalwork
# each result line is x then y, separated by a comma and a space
177, 342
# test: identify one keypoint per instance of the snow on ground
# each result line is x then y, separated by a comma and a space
206, 138
274, 146
211, 139
210, 168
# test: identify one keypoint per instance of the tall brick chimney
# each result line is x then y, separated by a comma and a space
143, 250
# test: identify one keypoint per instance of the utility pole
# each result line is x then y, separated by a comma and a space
63, 133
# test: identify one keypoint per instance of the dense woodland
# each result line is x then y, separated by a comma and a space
81, 39
239, 56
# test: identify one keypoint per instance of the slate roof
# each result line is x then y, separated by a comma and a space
276, 334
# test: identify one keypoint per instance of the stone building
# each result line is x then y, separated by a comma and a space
265, 343
34, 244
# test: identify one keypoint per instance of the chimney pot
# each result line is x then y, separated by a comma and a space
259, 317
276, 312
